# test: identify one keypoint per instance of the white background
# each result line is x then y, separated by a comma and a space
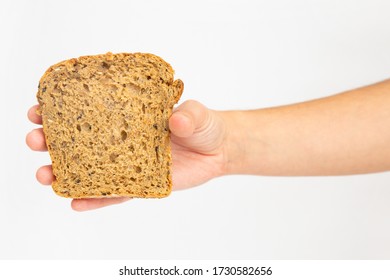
230, 55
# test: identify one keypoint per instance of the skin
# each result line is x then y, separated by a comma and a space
343, 134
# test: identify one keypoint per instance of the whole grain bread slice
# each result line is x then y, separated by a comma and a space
105, 119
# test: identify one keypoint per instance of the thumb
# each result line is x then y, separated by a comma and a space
188, 118
197, 128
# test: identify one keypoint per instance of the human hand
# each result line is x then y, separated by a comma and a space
198, 150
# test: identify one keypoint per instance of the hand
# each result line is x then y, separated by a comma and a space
198, 150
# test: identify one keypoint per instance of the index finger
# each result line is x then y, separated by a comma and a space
86, 204
33, 116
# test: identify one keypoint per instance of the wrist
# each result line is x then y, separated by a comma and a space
235, 143
245, 142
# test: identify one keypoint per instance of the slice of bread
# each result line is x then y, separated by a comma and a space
105, 119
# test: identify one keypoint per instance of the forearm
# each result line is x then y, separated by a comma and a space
348, 133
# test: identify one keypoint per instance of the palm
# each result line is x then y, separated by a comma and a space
198, 155
191, 168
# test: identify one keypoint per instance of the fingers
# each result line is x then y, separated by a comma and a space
32, 115
188, 118
87, 204
36, 140
45, 175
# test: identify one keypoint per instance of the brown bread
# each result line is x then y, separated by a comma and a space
105, 119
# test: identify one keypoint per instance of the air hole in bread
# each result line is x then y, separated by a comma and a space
123, 135
86, 87
113, 157
105, 65
157, 153
137, 169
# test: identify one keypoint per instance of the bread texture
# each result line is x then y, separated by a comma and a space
105, 119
